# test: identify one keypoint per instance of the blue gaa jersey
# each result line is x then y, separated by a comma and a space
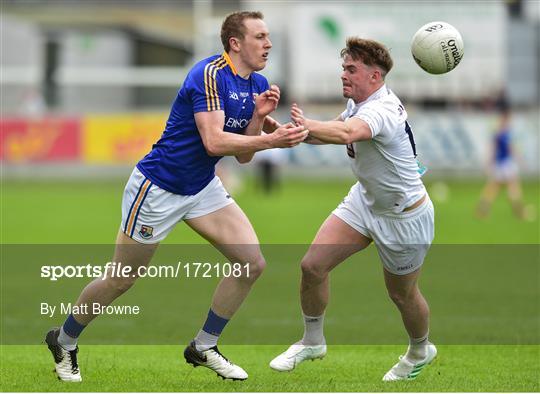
178, 162
502, 146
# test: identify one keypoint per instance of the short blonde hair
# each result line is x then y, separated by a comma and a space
233, 26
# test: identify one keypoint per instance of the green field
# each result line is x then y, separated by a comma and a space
345, 368
89, 212
484, 299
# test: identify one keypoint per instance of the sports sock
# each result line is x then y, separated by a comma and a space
69, 333
313, 330
417, 350
209, 335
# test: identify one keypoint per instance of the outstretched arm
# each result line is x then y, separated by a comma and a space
220, 143
315, 141
334, 131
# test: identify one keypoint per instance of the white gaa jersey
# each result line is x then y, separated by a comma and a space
385, 165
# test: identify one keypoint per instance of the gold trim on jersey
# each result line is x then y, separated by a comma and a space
210, 85
229, 62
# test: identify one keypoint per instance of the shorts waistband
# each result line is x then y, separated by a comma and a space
418, 202
413, 212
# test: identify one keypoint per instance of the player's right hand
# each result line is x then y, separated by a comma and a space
287, 136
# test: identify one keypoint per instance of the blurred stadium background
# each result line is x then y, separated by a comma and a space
86, 85
86, 88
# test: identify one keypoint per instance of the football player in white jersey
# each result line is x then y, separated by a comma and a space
388, 205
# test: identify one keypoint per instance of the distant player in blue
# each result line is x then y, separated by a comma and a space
503, 170
220, 110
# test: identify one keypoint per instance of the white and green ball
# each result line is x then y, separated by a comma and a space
437, 47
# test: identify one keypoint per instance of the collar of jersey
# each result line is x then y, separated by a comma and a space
375, 95
230, 63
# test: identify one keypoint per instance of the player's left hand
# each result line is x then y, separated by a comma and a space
297, 115
267, 102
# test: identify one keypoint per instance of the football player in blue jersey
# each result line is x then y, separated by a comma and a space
503, 170
220, 110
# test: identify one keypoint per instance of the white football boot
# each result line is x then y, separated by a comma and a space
405, 370
295, 354
214, 360
65, 362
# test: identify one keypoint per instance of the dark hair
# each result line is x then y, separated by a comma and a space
370, 52
233, 26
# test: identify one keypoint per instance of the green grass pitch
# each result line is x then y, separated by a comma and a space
88, 212
345, 368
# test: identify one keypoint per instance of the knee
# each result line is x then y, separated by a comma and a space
256, 268
312, 270
401, 298
121, 285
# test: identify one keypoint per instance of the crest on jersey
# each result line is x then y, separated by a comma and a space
146, 231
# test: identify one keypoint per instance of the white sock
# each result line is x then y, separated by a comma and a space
205, 341
417, 350
67, 342
313, 330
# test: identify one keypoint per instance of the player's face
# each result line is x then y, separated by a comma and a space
357, 79
256, 44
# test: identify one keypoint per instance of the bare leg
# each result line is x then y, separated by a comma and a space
489, 194
230, 231
334, 242
105, 291
515, 196
404, 291
63, 342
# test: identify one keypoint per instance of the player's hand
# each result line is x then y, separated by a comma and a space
287, 136
297, 115
267, 102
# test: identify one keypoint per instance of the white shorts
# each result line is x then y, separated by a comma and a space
505, 170
149, 213
402, 240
